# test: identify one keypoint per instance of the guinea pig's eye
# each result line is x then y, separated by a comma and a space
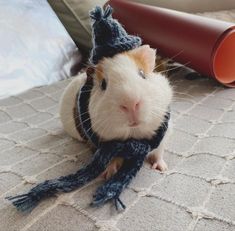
103, 85
141, 73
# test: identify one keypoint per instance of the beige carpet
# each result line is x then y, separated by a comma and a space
197, 193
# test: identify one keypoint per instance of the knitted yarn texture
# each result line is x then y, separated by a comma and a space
109, 37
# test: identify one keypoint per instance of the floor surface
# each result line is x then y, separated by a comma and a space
197, 193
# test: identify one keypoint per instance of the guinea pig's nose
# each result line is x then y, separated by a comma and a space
132, 107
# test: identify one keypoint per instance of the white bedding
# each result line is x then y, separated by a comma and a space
35, 49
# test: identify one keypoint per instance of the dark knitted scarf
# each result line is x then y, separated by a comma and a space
133, 151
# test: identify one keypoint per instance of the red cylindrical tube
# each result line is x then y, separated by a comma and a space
204, 44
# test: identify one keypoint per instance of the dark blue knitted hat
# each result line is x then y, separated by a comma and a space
109, 37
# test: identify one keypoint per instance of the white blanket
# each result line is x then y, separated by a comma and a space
35, 49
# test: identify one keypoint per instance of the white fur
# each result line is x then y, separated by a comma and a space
125, 84
67, 104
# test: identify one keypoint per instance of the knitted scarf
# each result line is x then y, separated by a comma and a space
132, 150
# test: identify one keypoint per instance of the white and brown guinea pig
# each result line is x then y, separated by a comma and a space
128, 100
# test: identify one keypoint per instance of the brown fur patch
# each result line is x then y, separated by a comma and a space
99, 72
139, 60
144, 57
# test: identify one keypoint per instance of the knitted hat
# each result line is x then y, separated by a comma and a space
109, 37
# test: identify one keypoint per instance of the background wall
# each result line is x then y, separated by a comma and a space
192, 5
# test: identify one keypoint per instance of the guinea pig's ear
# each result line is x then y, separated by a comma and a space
144, 57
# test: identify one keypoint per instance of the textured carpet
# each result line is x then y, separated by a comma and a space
197, 193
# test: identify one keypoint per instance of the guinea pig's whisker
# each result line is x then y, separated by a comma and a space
166, 61
87, 91
177, 54
98, 127
172, 113
183, 93
86, 112
161, 120
174, 68
158, 109
90, 127
185, 97
86, 120
105, 127
181, 99
160, 117
163, 111
156, 115
92, 132
152, 102
71, 120
92, 124
74, 129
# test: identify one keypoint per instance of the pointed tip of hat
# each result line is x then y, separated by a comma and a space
109, 36
97, 13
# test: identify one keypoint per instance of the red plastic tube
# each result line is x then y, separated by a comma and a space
204, 44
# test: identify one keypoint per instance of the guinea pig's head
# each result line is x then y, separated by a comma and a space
128, 99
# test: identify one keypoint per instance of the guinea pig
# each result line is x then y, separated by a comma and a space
128, 100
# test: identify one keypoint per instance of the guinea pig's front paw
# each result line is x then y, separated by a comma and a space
112, 168
157, 163
160, 165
